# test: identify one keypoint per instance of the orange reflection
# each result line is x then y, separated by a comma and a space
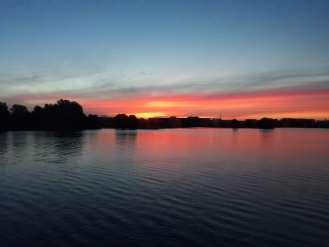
215, 146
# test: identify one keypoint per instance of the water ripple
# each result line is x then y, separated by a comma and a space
102, 188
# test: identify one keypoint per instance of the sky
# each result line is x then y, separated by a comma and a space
234, 59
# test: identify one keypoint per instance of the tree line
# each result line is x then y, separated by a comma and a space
69, 115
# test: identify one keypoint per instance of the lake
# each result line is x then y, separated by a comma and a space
173, 187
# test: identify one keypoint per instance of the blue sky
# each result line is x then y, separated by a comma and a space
118, 49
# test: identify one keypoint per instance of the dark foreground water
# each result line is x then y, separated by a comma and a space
182, 187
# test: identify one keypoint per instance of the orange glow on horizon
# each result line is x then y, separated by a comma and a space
149, 114
279, 115
168, 104
267, 103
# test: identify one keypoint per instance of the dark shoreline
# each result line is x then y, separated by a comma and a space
110, 124
137, 129
67, 115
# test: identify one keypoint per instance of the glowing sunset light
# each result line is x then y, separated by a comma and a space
170, 104
164, 123
279, 115
171, 68
150, 114
275, 103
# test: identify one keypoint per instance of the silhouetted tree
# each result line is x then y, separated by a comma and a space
64, 114
4, 116
235, 124
132, 122
20, 117
122, 121
191, 122
19, 112
266, 123
69, 115
4, 112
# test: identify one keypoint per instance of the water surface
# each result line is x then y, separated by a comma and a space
180, 187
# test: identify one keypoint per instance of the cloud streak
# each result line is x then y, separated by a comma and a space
239, 96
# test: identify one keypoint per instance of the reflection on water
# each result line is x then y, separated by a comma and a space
191, 187
3, 144
126, 140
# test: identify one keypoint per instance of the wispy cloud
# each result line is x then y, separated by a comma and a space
105, 92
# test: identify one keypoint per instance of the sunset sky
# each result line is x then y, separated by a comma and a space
235, 59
